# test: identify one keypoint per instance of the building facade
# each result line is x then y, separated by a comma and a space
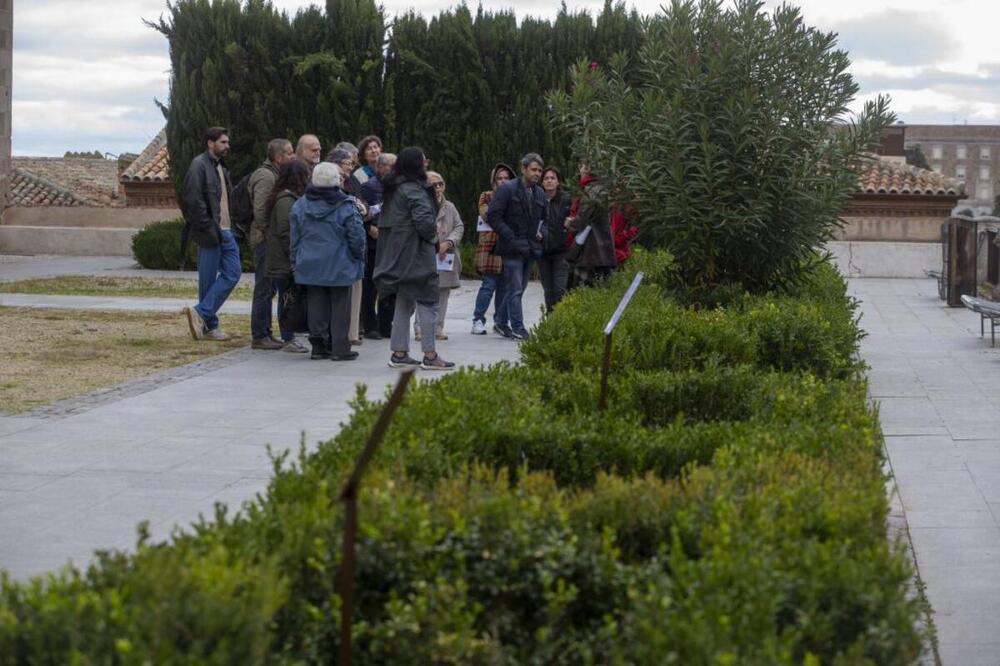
6, 80
967, 153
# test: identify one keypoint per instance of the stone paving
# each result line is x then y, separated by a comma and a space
937, 385
76, 480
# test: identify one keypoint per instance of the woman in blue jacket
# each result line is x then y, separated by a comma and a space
327, 254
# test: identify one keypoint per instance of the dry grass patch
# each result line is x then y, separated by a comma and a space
87, 285
49, 355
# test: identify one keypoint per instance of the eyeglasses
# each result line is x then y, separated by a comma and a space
438, 184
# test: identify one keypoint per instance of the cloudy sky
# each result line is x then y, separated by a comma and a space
86, 74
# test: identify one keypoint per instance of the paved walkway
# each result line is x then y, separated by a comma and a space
938, 389
71, 484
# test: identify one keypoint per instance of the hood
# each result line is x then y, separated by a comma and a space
332, 196
497, 167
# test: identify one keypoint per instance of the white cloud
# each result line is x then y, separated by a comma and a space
86, 73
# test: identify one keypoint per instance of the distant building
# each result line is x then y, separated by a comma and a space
146, 180
6, 78
967, 153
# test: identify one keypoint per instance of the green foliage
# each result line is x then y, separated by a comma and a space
468, 88
724, 133
158, 246
723, 510
795, 331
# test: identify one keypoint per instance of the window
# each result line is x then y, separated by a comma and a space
937, 153
984, 152
960, 153
984, 192
984, 173
936, 167
960, 171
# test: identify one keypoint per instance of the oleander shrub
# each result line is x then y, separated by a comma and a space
158, 247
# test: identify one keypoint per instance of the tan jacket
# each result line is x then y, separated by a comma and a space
450, 228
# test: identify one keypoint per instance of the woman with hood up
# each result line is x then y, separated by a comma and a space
490, 265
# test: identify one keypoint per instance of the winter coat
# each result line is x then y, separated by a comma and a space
450, 228
598, 250
278, 262
554, 232
327, 245
486, 263
515, 214
371, 194
405, 260
201, 200
260, 186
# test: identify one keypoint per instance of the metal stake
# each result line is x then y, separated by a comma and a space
349, 495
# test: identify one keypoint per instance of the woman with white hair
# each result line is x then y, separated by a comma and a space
327, 252
449, 235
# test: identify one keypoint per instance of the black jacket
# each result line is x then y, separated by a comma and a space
554, 234
202, 195
515, 214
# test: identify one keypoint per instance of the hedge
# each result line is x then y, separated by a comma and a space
723, 511
158, 247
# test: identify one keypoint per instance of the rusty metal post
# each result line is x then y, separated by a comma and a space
349, 495
602, 401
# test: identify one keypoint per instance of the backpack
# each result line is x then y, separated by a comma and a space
241, 209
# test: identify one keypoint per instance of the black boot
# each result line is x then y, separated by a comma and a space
320, 350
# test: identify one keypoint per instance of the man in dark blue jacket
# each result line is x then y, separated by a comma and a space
206, 196
516, 214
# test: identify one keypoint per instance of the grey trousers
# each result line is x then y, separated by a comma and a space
442, 312
328, 310
426, 318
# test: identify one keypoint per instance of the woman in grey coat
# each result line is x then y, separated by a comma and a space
406, 259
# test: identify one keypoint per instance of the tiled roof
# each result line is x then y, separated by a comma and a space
152, 165
881, 176
89, 179
28, 189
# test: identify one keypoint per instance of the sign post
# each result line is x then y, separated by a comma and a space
349, 495
602, 401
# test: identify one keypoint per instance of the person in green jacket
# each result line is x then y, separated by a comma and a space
406, 259
293, 178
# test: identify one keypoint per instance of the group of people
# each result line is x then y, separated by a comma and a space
374, 241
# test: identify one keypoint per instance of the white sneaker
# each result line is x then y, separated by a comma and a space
478, 327
195, 323
216, 334
294, 347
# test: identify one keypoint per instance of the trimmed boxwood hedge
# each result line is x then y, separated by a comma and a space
726, 509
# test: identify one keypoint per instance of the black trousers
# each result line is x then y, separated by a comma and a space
369, 320
329, 312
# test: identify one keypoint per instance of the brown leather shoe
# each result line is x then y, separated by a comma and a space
268, 344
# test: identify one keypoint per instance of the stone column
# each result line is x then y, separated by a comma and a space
6, 81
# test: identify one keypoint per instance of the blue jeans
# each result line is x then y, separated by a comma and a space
492, 287
218, 272
263, 295
515, 278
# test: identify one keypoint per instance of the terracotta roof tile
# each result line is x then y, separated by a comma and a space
152, 165
881, 176
90, 179
28, 189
